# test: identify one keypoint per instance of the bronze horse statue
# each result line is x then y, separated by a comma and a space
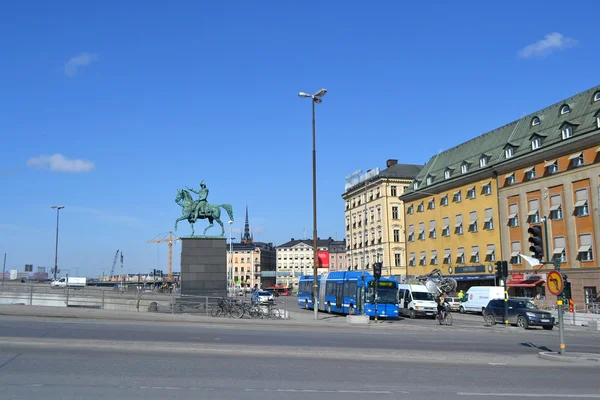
212, 211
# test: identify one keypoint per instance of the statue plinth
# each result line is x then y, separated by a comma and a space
203, 266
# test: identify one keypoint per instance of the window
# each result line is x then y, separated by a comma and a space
411, 233
444, 200
429, 180
423, 258
515, 255
535, 121
567, 132
560, 245
420, 207
483, 161
432, 234
394, 191
474, 254
457, 197
397, 259
411, 259
530, 173
446, 226
447, 174
585, 248
536, 143
473, 221
378, 213
447, 256
471, 192
488, 222
490, 254
581, 206
415, 185
434, 260
577, 159
510, 178
565, 109
458, 227
410, 209
534, 211
598, 121
464, 168
552, 166
431, 204
394, 212
460, 256
487, 189
556, 207
421, 230
597, 96
513, 215
509, 152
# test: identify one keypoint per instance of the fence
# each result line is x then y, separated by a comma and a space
112, 299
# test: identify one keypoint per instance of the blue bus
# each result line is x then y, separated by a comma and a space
351, 292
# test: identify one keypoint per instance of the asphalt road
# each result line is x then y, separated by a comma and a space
69, 359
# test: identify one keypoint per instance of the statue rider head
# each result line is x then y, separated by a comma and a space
203, 185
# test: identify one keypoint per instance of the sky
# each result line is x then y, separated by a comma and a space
109, 107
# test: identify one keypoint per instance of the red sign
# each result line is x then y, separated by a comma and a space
518, 277
323, 256
555, 283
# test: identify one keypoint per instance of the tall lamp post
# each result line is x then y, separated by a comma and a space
58, 208
231, 255
318, 99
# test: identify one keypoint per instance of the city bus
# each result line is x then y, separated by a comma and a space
280, 290
351, 292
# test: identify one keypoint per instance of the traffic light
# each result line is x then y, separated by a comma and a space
377, 270
505, 269
567, 289
499, 269
536, 241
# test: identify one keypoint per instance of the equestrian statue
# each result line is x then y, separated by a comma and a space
193, 210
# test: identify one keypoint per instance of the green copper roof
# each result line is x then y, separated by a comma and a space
518, 134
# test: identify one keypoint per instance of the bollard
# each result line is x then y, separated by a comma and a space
153, 307
103, 298
206, 305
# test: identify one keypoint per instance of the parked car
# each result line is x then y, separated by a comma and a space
454, 303
262, 296
478, 297
521, 312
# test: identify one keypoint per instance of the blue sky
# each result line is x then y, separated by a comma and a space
150, 97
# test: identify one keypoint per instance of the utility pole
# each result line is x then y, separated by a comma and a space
4, 268
58, 208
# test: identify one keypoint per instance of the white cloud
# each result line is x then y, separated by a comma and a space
81, 60
60, 163
551, 42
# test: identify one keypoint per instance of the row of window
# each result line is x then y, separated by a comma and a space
459, 256
357, 260
486, 190
488, 224
536, 141
371, 195
564, 109
585, 251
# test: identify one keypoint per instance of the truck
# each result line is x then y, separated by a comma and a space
71, 281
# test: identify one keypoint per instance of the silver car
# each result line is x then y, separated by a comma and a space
262, 296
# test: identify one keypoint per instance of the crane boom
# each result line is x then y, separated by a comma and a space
112, 270
170, 239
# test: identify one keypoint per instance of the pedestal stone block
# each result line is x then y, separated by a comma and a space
204, 266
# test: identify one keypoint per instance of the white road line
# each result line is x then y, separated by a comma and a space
497, 363
171, 388
35, 385
577, 396
326, 391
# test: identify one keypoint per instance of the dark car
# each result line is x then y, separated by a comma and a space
521, 312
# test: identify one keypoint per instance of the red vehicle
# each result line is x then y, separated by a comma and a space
280, 290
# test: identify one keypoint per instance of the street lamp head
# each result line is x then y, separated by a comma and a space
317, 100
58, 207
230, 222
321, 93
302, 94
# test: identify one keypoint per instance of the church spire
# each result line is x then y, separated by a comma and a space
247, 238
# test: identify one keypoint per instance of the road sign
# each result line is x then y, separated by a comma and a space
555, 283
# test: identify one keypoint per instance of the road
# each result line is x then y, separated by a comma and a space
54, 358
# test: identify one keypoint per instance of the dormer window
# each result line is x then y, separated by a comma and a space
509, 152
429, 180
567, 132
535, 121
483, 161
565, 109
447, 174
536, 142
415, 185
464, 168
597, 96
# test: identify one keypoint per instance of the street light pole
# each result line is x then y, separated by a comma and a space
316, 98
58, 208
231, 255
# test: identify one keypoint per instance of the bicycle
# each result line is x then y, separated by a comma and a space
444, 319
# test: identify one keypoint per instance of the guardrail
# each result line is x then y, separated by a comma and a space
115, 300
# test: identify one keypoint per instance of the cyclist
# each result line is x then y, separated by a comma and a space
441, 305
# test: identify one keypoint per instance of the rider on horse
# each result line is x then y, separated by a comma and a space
200, 209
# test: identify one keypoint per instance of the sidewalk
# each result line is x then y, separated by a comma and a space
572, 357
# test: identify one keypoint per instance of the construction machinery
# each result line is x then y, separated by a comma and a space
112, 270
162, 237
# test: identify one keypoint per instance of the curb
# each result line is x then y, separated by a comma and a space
581, 358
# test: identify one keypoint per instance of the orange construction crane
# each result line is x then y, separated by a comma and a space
162, 237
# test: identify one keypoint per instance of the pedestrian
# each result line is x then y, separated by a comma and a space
460, 295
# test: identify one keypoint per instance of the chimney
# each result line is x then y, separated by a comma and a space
391, 162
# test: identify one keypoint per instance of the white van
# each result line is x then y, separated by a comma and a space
416, 300
478, 297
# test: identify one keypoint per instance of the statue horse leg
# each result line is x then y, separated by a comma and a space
210, 219
192, 226
177, 221
222, 227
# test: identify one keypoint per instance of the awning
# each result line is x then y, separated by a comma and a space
511, 216
526, 170
509, 175
490, 251
488, 219
554, 208
558, 250
432, 230
580, 203
486, 184
584, 249
524, 283
471, 188
458, 225
457, 192
514, 254
532, 212
598, 150
550, 163
574, 156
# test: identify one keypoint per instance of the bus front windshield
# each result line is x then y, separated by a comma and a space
384, 295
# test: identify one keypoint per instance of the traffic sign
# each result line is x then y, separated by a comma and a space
555, 283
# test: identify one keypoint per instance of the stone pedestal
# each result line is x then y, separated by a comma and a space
204, 266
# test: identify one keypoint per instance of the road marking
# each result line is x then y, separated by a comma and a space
590, 396
325, 391
171, 388
35, 385
497, 363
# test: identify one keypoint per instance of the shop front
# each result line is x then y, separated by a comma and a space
530, 285
472, 275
